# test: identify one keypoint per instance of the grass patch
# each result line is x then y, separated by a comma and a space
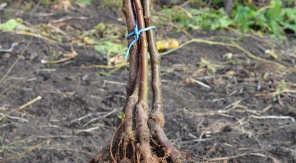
272, 19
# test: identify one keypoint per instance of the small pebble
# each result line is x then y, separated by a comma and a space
84, 78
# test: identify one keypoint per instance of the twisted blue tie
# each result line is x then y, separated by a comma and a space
136, 32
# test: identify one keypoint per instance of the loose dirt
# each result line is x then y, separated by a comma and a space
243, 112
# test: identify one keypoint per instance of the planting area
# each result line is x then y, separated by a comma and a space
228, 97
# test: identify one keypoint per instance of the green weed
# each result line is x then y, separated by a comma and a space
45, 2
108, 48
106, 39
121, 115
111, 3
86, 2
272, 19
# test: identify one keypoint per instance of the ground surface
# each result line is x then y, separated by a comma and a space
244, 113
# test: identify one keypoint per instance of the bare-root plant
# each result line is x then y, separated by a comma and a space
139, 136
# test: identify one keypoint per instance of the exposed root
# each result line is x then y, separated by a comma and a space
158, 133
133, 154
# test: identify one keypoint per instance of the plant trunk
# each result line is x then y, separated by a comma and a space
139, 137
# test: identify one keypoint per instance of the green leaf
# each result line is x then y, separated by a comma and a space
86, 2
205, 62
225, 22
109, 48
289, 26
79, 44
275, 10
89, 40
121, 115
243, 13
11, 24
212, 69
289, 2
276, 28
100, 27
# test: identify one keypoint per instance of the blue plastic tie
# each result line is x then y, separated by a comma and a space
136, 32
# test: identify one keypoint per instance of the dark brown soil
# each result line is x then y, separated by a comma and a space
235, 120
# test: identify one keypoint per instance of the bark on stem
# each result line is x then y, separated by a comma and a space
143, 53
157, 120
127, 9
131, 88
158, 133
142, 106
157, 108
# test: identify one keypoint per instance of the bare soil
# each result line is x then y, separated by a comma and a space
243, 113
